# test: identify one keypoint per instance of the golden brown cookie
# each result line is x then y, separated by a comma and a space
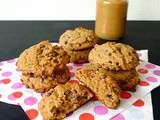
114, 56
127, 80
103, 86
42, 59
45, 83
78, 39
80, 56
62, 100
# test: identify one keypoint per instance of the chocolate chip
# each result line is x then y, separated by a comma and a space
110, 62
104, 77
110, 97
68, 92
65, 42
48, 94
27, 86
109, 54
55, 61
55, 54
117, 63
119, 49
92, 74
54, 111
31, 75
114, 51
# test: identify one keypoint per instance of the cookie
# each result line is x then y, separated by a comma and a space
62, 100
114, 56
127, 80
104, 87
130, 84
78, 39
80, 56
42, 59
45, 83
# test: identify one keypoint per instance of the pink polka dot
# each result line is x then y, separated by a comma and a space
118, 117
30, 101
6, 74
11, 97
125, 95
15, 95
150, 66
11, 61
143, 71
151, 79
100, 110
17, 85
1, 63
156, 72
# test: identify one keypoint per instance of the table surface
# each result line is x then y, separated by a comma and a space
15, 36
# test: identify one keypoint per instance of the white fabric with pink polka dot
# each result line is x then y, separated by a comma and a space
133, 105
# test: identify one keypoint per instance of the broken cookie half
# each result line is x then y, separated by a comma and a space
104, 87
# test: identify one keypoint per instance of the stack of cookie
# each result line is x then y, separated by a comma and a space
78, 43
119, 60
111, 69
43, 66
103, 86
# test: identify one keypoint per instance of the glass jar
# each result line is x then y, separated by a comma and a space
111, 19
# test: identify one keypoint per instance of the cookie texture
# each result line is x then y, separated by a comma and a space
127, 80
78, 39
45, 83
80, 56
62, 100
104, 87
42, 59
114, 56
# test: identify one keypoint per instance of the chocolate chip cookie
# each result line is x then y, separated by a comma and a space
62, 100
78, 39
114, 56
45, 83
103, 86
42, 59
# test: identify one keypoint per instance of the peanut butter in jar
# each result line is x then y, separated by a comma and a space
111, 19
